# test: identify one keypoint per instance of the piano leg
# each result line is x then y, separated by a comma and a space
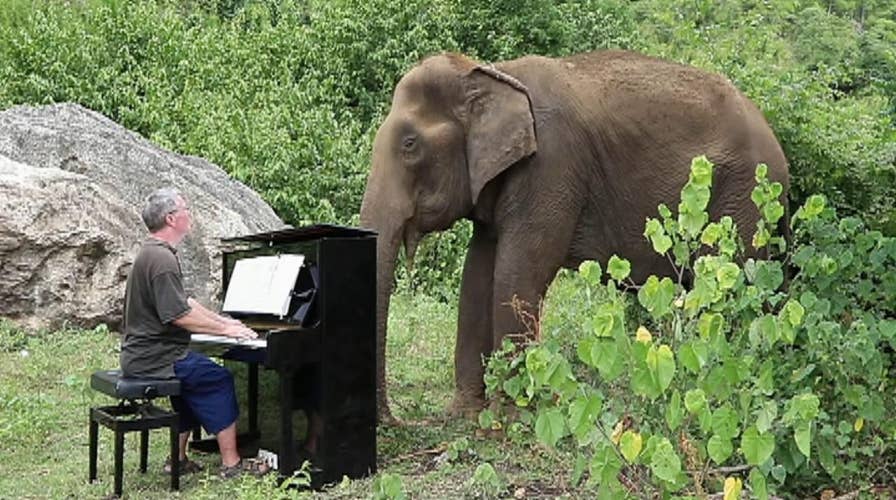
287, 443
253, 399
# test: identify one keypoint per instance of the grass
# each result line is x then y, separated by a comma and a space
45, 395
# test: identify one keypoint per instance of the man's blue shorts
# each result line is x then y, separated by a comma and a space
207, 395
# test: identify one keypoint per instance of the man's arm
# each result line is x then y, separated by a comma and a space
201, 320
213, 316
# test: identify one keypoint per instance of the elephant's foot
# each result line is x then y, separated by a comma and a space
384, 414
466, 405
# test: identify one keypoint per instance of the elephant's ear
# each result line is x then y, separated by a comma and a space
501, 127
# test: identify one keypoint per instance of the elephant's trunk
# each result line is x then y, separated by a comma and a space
391, 229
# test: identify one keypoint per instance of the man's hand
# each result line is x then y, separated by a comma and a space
238, 330
230, 321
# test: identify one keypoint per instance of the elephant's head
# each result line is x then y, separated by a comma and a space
453, 127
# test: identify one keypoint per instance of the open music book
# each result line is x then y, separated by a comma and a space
262, 285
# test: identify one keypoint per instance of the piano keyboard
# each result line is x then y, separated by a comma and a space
204, 338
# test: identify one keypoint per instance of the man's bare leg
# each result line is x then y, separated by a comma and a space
227, 445
184, 437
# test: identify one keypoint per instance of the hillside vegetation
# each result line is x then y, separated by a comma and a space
286, 95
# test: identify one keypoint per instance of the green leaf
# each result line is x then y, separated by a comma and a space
693, 355
701, 171
583, 413
604, 323
763, 328
605, 464
674, 415
710, 324
727, 275
758, 484
606, 358
630, 444
692, 223
725, 423
578, 469
609, 321
766, 417
802, 408
654, 231
694, 199
583, 349
802, 434
769, 275
779, 472
388, 486
695, 401
550, 426
773, 211
757, 447
618, 268
485, 476
719, 449
812, 208
656, 295
761, 237
664, 463
661, 364
642, 382
590, 271
486, 419
711, 233
761, 172
793, 311
513, 386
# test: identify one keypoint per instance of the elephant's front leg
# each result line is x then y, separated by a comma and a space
524, 267
474, 324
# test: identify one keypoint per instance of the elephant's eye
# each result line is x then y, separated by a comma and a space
409, 143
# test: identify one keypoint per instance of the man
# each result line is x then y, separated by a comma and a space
158, 319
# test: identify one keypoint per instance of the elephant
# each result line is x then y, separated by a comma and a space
555, 161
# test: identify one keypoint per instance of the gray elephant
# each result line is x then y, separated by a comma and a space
554, 161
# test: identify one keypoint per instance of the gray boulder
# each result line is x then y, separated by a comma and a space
72, 184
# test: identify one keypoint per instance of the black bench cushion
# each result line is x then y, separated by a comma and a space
112, 383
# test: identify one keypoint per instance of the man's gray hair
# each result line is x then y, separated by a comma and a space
159, 204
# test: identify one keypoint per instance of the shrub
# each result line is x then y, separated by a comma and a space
739, 380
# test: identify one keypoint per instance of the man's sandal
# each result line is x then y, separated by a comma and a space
184, 466
249, 466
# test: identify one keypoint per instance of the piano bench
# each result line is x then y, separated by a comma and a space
134, 412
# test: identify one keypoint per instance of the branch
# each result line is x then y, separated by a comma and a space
724, 470
431, 451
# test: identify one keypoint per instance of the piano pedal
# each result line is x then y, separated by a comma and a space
269, 458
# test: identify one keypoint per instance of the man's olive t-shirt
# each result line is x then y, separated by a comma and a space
154, 298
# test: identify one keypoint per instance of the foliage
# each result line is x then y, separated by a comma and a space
286, 95
736, 380
486, 480
388, 487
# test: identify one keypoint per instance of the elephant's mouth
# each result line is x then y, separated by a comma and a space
411, 239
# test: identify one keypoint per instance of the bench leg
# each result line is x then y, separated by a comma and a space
144, 449
175, 457
119, 461
94, 431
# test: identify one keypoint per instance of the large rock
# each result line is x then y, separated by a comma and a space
72, 185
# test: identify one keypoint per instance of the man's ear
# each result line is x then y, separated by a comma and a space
501, 126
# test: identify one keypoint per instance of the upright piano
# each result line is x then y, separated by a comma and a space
322, 349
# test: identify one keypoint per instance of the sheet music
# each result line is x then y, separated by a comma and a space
262, 285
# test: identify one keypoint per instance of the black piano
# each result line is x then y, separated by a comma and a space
323, 350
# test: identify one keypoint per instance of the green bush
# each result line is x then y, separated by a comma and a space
740, 379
